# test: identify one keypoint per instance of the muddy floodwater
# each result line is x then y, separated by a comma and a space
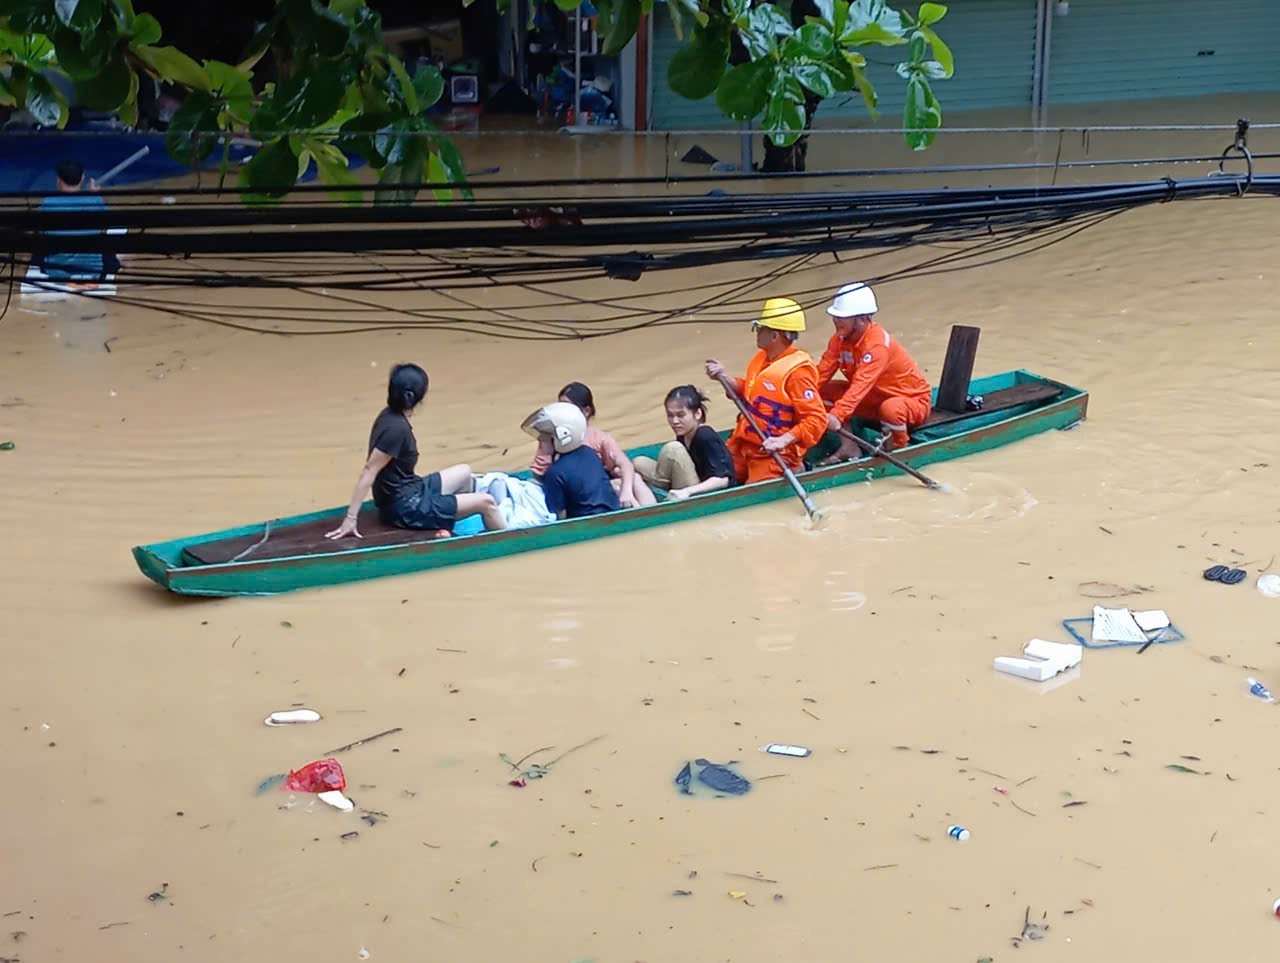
131, 720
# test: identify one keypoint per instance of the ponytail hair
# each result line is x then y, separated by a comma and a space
692, 398
406, 387
579, 394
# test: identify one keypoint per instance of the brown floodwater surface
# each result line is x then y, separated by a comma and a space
131, 720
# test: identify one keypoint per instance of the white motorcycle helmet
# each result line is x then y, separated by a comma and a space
565, 423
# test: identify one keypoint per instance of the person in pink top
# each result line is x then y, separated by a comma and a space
631, 488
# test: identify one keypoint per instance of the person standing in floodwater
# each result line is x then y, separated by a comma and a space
71, 196
434, 503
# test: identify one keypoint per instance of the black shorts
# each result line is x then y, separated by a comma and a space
426, 508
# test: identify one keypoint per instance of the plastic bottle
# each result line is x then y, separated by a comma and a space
1258, 689
958, 832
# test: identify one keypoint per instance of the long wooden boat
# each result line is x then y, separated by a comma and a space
292, 553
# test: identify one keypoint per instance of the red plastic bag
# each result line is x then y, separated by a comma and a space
321, 776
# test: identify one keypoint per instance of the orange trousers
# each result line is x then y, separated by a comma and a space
751, 463
894, 412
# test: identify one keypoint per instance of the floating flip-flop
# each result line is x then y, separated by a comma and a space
1225, 575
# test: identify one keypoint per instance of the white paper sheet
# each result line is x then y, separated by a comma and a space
1152, 620
1115, 625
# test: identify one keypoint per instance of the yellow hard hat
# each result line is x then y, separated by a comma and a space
781, 314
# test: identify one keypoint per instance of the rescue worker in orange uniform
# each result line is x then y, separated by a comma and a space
881, 381
781, 389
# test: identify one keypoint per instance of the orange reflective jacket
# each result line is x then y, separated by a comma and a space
874, 363
783, 396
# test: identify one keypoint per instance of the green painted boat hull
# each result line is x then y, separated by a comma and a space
163, 562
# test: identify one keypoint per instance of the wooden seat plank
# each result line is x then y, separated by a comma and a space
993, 401
306, 538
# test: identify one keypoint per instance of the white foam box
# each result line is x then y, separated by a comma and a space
1047, 660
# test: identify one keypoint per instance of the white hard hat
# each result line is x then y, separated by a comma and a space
852, 300
565, 423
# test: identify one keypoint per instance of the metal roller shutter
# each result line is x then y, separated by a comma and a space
1138, 49
994, 44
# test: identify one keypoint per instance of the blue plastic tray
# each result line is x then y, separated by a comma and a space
1171, 633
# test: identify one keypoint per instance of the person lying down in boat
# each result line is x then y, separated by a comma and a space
434, 503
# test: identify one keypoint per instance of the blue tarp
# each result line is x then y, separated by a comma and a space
27, 159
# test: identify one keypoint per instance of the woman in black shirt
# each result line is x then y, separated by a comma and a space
697, 461
404, 500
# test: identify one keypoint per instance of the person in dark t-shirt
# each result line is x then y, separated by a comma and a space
434, 503
698, 460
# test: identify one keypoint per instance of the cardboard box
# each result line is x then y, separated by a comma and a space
445, 37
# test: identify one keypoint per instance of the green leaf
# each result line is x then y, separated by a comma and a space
814, 76
933, 70
921, 115
271, 172
8, 97
454, 168
356, 136
930, 13
45, 102
29, 17
696, 67
315, 30
840, 71
146, 29
331, 164
871, 22
81, 15
437, 174
916, 51
813, 40
233, 84
193, 131
764, 26
428, 82
568, 6
110, 88
125, 7
127, 112
174, 66
308, 98
82, 56
407, 168
617, 23
258, 44
784, 114
407, 90
1176, 767
867, 90
744, 90
941, 52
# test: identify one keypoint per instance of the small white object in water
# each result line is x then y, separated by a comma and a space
291, 717
1269, 585
335, 799
363, 954
168, 199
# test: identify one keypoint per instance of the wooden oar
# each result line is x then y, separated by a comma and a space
787, 473
871, 449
